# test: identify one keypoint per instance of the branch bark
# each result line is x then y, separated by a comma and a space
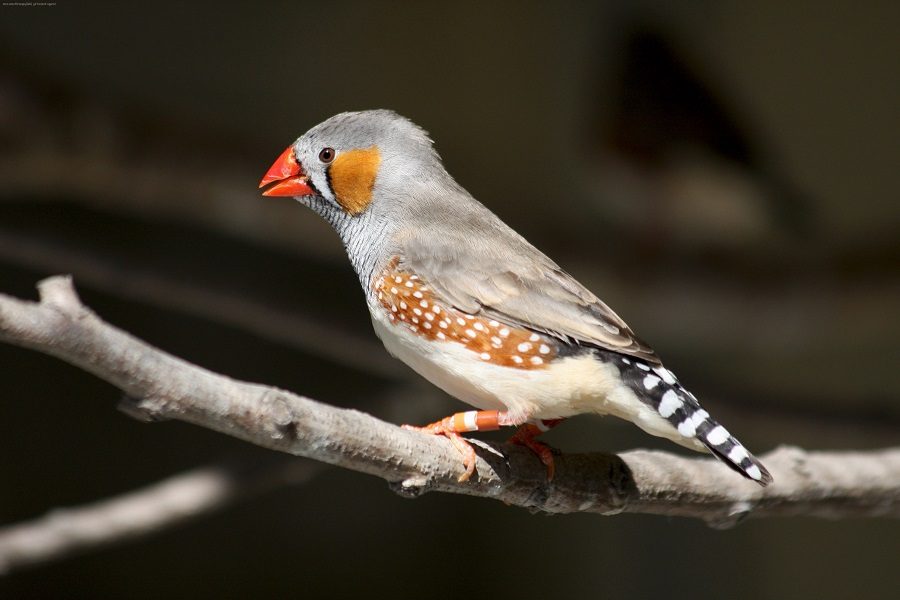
822, 484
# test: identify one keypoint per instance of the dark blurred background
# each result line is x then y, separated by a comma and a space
724, 174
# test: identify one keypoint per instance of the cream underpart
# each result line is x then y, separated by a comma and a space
567, 387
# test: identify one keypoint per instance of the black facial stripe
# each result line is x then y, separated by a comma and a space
328, 179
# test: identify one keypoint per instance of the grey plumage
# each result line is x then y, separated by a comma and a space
478, 263
418, 215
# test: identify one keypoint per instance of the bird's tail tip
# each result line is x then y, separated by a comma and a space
738, 458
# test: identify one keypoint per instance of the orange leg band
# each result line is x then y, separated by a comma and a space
463, 422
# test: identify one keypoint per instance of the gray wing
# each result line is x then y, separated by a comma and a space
504, 277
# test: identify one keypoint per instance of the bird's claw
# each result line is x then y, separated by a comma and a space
524, 436
458, 441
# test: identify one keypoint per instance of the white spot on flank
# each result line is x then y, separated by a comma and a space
534, 337
504, 332
688, 427
470, 333
478, 326
651, 381
737, 454
423, 304
443, 324
642, 366
402, 317
398, 279
415, 320
441, 336
517, 359
417, 311
403, 305
626, 361
409, 284
437, 310
717, 436
413, 277
429, 316
523, 347
493, 323
536, 360
496, 342
485, 356
460, 321
669, 404
754, 472
417, 294
393, 308
426, 325
394, 290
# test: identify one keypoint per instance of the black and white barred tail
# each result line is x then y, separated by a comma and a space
657, 387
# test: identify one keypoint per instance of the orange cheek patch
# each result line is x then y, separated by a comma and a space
353, 176
410, 303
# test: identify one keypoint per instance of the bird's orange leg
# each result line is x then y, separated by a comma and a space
490, 420
452, 426
525, 434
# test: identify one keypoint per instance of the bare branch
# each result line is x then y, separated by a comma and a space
142, 512
824, 484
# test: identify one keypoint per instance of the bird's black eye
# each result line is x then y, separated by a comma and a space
326, 155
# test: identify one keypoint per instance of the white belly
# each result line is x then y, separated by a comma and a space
566, 387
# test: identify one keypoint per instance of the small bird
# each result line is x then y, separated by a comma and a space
474, 308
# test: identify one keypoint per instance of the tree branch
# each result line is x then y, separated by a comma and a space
823, 484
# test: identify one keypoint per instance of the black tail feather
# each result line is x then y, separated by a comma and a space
657, 387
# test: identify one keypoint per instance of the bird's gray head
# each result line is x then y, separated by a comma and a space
344, 166
366, 173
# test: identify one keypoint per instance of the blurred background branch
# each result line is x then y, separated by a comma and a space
146, 511
286, 327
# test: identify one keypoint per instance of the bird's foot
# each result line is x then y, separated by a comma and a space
525, 436
450, 427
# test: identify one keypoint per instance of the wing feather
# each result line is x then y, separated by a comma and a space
515, 283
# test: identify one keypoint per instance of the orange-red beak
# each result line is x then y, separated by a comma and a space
290, 178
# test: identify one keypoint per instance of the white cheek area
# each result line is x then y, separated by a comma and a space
567, 387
